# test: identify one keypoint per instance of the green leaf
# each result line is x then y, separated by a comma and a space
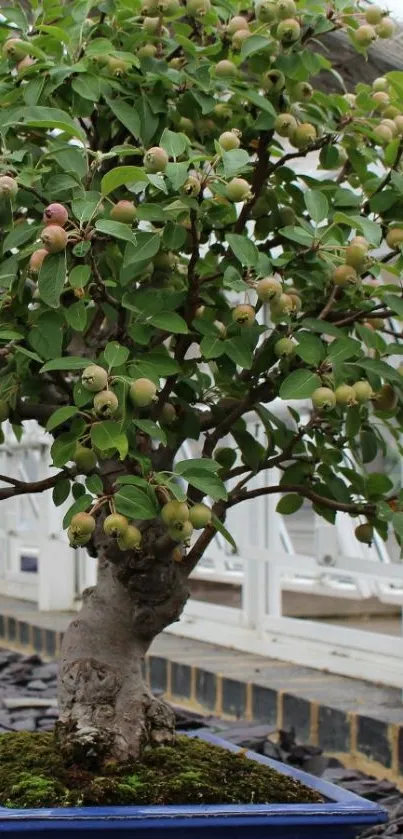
126, 114
200, 463
121, 176
152, 429
19, 236
310, 348
46, 334
10, 335
344, 348
38, 117
63, 448
297, 234
244, 250
61, 492
115, 355
116, 229
380, 368
224, 532
256, 43
132, 480
169, 321
29, 354
69, 362
394, 302
81, 505
143, 248
261, 102
317, 205
76, 316
353, 422
87, 86
378, 484
174, 143
239, 351
289, 504
94, 484
60, 416
234, 162
323, 327
52, 277
132, 502
208, 483
109, 435
79, 276
300, 384
369, 445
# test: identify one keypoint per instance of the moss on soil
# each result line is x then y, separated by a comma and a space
32, 774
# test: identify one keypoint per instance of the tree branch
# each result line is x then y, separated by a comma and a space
26, 488
305, 492
259, 177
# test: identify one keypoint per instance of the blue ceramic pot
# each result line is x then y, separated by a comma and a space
342, 816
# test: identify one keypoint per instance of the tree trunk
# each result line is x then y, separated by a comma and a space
106, 709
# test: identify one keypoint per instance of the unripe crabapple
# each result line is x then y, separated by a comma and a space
303, 136
115, 525
239, 37
364, 533
288, 31
236, 23
284, 348
124, 211
174, 513
182, 532
374, 15
273, 81
82, 524
285, 125
344, 275
225, 456
8, 187
394, 238
106, 403
382, 134
198, 8
385, 29
155, 159
238, 189
142, 392
192, 186
200, 516
323, 399
356, 255
35, 262
266, 11
54, 238
302, 91
85, 459
225, 68
94, 378
385, 399
168, 414
268, 288
130, 539
229, 140
363, 391
243, 315
345, 395
12, 49
55, 214
365, 35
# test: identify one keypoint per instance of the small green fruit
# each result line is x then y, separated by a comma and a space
345, 395
286, 9
117, 66
94, 378
386, 29
268, 288
142, 392
56, 214
365, 35
225, 69
363, 391
168, 414
273, 81
266, 11
288, 31
85, 459
236, 23
4, 410
302, 92
383, 134
345, 275
225, 456
280, 306
54, 238
174, 513
394, 238
385, 399
115, 525
75, 540
381, 83
106, 404
124, 211
130, 539
381, 100
285, 125
192, 186
35, 262
364, 533
284, 348
8, 187
198, 8
356, 255
303, 136
374, 15
351, 99
244, 315
200, 516
230, 140
240, 37
147, 51
238, 190
12, 49
151, 24
182, 532
391, 112
399, 124
323, 399
82, 524
155, 159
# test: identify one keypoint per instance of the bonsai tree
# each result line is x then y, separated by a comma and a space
167, 272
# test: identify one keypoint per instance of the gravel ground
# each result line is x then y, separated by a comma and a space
28, 702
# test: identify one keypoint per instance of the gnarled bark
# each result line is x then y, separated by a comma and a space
106, 709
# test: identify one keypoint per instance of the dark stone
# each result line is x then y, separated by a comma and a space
46, 672
18, 673
25, 724
373, 740
32, 659
50, 641
272, 750
297, 714
181, 680
37, 639
249, 736
264, 704
206, 688
8, 657
233, 697
334, 730
23, 632
158, 673
11, 629
36, 684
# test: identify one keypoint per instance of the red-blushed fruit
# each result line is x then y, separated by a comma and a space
236, 23
363, 391
182, 532
385, 399
115, 525
142, 392
365, 35
394, 238
284, 347
106, 404
364, 533
130, 539
323, 399
36, 260
4, 410
13, 48
381, 100
168, 414
344, 275
225, 456
155, 159
244, 315
356, 255
288, 31
8, 187
303, 136
268, 288
174, 513
55, 214
94, 378
225, 68
229, 140
200, 516
85, 459
124, 211
285, 125
345, 395
386, 29
54, 238
82, 524
238, 190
